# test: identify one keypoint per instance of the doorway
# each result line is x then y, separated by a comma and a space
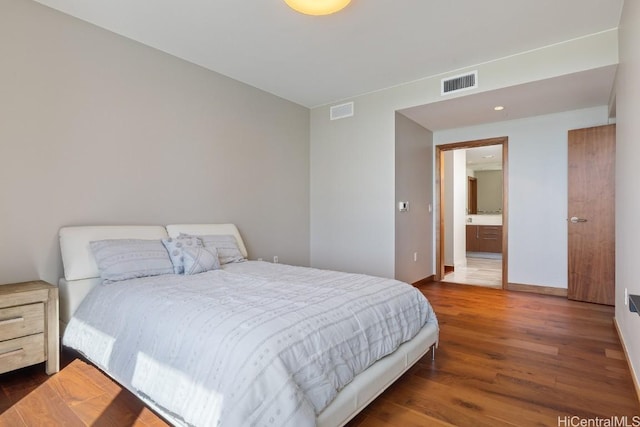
491, 238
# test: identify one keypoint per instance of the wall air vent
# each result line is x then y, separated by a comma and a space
458, 83
341, 111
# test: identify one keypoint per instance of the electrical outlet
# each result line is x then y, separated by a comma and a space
275, 259
415, 257
626, 296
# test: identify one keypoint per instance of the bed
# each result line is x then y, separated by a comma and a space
249, 343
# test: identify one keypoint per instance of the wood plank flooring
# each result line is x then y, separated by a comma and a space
79, 395
505, 359
511, 359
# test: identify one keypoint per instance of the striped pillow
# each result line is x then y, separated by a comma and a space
123, 259
225, 244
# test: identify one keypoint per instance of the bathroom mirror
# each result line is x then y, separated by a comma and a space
484, 180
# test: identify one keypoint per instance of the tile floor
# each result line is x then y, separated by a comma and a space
485, 271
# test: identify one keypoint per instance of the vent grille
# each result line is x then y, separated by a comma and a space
458, 83
341, 111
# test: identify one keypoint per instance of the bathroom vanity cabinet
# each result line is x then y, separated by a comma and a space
484, 238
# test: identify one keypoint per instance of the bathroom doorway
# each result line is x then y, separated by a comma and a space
471, 226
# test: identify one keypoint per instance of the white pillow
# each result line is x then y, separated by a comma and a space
205, 230
199, 260
123, 259
226, 245
176, 246
77, 258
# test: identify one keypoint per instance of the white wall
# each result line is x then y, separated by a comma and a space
537, 189
455, 204
455, 196
353, 164
460, 208
449, 207
97, 129
414, 183
353, 190
627, 194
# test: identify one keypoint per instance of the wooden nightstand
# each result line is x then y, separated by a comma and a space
29, 326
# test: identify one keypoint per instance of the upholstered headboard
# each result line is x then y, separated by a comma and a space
81, 272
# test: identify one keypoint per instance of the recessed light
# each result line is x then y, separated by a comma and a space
498, 108
317, 7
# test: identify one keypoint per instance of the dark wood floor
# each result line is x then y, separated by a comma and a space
505, 359
511, 359
79, 395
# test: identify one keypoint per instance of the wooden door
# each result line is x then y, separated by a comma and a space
591, 222
472, 195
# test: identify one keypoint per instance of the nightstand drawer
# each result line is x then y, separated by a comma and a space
21, 321
21, 352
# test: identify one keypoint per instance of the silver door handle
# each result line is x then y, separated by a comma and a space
575, 219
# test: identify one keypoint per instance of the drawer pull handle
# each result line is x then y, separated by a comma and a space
11, 353
12, 320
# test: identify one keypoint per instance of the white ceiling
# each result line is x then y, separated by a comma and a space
484, 158
570, 92
370, 45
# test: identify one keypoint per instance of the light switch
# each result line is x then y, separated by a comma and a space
403, 206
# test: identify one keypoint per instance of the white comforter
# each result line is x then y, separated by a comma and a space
253, 344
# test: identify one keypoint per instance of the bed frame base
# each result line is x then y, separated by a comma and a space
374, 380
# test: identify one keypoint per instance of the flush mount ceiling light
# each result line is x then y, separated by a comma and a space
317, 7
498, 108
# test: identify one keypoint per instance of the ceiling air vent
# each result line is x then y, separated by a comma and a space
341, 111
458, 83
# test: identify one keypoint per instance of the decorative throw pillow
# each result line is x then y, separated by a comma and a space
226, 245
176, 245
122, 259
199, 260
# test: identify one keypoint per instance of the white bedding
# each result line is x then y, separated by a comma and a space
253, 344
